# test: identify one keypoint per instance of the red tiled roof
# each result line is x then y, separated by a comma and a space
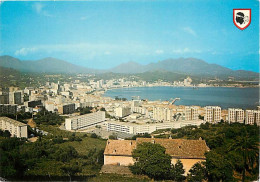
180, 148
177, 148
120, 147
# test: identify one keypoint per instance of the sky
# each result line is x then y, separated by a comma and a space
101, 34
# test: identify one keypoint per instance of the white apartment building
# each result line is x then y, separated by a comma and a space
187, 81
16, 97
135, 103
133, 128
16, 128
162, 114
252, 117
84, 121
119, 127
212, 114
236, 115
122, 111
140, 110
191, 113
66, 108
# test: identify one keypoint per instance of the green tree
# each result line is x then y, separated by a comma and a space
65, 154
45, 117
197, 173
218, 167
93, 135
112, 137
145, 135
247, 147
6, 134
201, 117
11, 162
151, 160
102, 109
71, 169
85, 110
178, 171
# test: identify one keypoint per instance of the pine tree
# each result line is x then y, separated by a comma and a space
178, 172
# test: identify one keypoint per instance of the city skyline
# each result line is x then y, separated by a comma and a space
103, 35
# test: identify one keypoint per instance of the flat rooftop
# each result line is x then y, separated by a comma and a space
12, 121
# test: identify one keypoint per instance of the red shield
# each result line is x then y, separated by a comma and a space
242, 18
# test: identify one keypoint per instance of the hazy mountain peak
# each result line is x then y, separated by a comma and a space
49, 64
128, 67
132, 63
191, 66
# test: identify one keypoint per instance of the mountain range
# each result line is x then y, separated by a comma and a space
189, 66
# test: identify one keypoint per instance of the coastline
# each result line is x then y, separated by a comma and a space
224, 105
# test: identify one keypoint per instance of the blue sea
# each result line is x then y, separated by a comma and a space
226, 97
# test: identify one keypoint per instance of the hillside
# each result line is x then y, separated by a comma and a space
191, 66
152, 76
8, 72
46, 65
9, 77
186, 66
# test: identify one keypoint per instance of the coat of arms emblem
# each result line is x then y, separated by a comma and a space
242, 18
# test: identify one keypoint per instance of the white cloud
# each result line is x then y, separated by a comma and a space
39, 8
83, 17
159, 51
25, 51
190, 31
185, 50
87, 50
86, 17
107, 52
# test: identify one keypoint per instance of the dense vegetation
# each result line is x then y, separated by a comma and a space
234, 150
20, 116
11, 77
152, 76
151, 160
48, 118
85, 110
60, 155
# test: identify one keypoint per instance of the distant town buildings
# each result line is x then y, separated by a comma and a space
212, 114
4, 98
15, 97
191, 113
136, 116
186, 83
16, 128
236, 115
8, 108
142, 128
33, 103
162, 114
252, 117
84, 121
122, 111
11, 95
66, 108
